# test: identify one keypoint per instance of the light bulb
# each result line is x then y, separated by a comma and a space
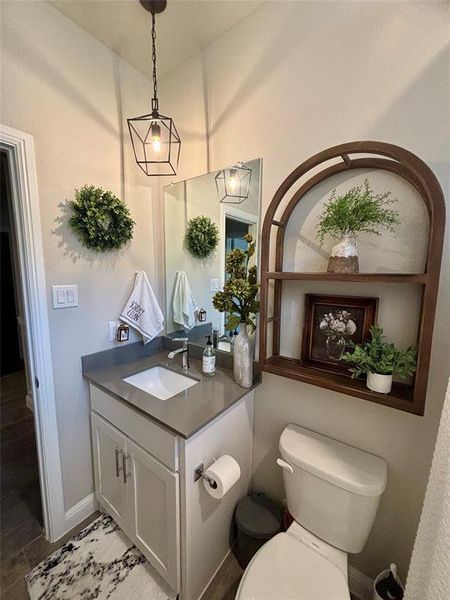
233, 179
155, 133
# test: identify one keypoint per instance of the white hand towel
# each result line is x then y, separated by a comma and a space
142, 310
184, 306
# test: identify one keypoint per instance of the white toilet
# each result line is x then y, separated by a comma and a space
333, 491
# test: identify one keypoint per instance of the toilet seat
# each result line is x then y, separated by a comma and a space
287, 569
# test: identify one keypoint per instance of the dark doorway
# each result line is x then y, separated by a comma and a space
234, 234
11, 357
21, 510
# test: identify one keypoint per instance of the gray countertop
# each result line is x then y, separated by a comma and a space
184, 414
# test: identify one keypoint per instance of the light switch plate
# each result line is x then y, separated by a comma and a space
214, 285
65, 296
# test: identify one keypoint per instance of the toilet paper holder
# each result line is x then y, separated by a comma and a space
199, 473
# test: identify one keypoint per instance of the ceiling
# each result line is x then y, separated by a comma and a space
182, 29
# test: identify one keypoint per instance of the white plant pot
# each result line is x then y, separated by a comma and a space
379, 383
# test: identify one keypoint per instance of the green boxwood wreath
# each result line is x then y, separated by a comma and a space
202, 236
100, 219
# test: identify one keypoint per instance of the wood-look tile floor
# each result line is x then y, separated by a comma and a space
14, 568
225, 584
21, 514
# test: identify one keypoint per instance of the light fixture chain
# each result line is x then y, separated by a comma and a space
154, 137
155, 82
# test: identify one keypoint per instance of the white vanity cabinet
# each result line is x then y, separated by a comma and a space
144, 479
134, 486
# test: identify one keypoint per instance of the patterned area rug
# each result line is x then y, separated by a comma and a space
99, 563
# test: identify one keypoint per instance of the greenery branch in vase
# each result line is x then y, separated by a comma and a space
239, 300
380, 360
359, 210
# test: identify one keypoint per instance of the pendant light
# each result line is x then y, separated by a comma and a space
233, 184
155, 139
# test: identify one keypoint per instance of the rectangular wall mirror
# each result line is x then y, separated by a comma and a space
230, 198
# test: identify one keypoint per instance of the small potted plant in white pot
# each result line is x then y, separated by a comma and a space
380, 360
358, 210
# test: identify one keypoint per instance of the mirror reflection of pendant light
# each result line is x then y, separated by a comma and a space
155, 139
233, 184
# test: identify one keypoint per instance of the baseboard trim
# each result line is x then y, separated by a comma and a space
360, 585
80, 511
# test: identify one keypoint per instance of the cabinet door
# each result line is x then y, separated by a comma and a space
111, 489
154, 512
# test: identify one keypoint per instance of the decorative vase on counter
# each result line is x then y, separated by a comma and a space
379, 383
344, 256
243, 358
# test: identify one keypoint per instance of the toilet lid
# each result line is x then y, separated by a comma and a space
285, 568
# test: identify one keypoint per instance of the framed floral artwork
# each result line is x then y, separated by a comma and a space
331, 323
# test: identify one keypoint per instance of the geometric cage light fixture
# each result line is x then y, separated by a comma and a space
155, 139
233, 184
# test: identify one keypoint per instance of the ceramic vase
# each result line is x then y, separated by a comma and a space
243, 358
344, 256
379, 383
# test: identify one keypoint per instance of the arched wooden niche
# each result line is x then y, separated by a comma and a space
338, 159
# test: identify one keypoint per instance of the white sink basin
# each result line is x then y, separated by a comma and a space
160, 382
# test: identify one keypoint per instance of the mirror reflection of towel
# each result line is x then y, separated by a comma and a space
142, 310
184, 306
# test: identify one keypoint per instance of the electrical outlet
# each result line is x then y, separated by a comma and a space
214, 285
112, 329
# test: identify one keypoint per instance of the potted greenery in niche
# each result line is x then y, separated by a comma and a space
358, 210
380, 360
238, 300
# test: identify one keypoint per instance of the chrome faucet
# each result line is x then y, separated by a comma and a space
184, 350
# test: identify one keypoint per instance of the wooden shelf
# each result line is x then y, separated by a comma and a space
350, 277
361, 155
401, 395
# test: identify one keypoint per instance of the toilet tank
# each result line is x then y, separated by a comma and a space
332, 489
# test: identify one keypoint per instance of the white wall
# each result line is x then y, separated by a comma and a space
290, 80
73, 94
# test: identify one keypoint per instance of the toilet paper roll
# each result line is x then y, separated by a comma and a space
225, 472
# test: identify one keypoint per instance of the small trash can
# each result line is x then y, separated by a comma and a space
258, 518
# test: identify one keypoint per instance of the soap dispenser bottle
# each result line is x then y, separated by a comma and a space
209, 359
